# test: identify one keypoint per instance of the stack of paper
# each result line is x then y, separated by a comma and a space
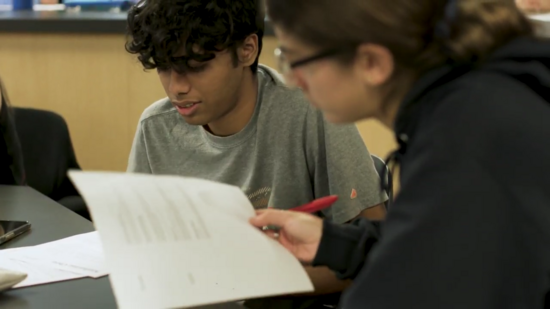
173, 242
69, 258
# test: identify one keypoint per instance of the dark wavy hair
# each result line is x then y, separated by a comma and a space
158, 30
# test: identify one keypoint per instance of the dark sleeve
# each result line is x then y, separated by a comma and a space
351, 242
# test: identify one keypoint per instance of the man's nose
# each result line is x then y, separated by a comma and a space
179, 84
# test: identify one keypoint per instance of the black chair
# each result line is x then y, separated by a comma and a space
385, 177
47, 156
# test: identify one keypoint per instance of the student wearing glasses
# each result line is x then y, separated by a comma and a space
229, 119
465, 85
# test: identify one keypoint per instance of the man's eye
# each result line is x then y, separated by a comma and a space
197, 68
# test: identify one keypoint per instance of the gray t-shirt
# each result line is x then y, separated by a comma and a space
286, 156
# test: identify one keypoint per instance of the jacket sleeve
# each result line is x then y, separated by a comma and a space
352, 242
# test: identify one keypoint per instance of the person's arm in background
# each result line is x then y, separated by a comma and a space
340, 164
139, 161
11, 168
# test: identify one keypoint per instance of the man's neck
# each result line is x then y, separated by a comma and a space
238, 118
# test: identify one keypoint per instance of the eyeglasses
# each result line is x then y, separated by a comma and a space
285, 67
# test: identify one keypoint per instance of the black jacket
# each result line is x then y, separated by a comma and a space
11, 159
471, 225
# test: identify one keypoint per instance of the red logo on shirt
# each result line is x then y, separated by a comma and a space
353, 194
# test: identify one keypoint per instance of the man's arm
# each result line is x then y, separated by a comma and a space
375, 213
139, 161
9, 137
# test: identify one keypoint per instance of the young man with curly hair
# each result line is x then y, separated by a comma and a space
227, 118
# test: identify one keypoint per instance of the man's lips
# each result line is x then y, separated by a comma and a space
185, 104
186, 108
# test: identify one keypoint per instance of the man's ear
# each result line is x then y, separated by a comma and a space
248, 51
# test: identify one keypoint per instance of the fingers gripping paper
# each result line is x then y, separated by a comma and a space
180, 242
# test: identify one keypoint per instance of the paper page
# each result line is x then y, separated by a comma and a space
180, 242
36, 273
81, 254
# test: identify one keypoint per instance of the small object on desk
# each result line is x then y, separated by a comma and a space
312, 207
9, 278
11, 229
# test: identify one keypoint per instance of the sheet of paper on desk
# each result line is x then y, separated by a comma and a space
65, 259
80, 254
36, 273
173, 242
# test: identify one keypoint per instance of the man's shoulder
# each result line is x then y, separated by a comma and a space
277, 97
158, 108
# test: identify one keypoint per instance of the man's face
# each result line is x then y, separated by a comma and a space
207, 92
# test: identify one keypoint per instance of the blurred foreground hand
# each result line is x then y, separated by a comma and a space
534, 6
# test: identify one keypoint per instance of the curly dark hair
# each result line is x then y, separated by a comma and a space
159, 29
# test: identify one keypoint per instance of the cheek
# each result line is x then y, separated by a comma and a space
335, 94
318, 90
165, 81
343, 98
216, 87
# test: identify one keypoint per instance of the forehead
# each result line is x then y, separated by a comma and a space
196, 54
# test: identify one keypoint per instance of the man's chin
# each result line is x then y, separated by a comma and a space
195, 121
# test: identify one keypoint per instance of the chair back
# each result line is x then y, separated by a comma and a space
48, 155
385, 177
46, 148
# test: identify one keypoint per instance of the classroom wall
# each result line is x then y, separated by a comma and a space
101, 91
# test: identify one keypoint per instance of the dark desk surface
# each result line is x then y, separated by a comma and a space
51, 221
68, 22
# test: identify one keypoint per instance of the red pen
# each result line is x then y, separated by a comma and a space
317, 205
311, 207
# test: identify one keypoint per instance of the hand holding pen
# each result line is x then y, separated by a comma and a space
296, 229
